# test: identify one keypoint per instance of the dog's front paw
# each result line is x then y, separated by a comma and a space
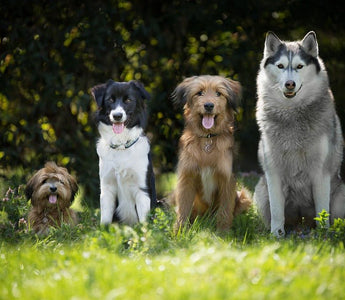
278, 233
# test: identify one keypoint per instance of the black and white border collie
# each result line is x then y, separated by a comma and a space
125, 167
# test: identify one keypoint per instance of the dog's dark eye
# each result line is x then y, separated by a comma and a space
200, 93
128, 100
218, 94
111, 100
280, 66
299, 66
62, 182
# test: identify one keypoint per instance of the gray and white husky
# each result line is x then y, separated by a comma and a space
301, 143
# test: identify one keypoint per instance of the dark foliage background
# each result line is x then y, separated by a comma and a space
53, 52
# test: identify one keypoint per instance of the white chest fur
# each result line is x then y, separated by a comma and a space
123, 175
208, 184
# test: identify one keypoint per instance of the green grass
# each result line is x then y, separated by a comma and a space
150, 262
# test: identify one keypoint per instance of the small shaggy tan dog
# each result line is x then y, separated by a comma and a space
205, 180
51, 190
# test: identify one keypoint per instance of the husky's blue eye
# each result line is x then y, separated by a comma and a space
299, 66
280, 66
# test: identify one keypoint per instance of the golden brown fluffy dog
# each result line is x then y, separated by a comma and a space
51, 190
205, 180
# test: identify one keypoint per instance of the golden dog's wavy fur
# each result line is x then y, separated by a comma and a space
48, 181
205, 180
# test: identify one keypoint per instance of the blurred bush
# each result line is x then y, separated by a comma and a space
52, 52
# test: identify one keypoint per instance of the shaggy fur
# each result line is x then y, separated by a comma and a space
51, 190
301, 143
205, 180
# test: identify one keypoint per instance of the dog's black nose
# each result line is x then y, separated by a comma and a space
53, 189
117, 116
290, 84
209, 106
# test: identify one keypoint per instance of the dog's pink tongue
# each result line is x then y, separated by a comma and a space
207, 121
52, 199
118, 127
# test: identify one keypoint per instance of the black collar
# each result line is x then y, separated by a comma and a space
124, 146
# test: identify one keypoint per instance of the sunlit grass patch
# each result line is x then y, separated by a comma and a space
209, 268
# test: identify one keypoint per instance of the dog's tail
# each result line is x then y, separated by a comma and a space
243, 201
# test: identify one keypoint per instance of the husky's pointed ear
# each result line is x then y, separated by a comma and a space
98, 92
234, 93
180, 95
309, 44
272, 44
140, 87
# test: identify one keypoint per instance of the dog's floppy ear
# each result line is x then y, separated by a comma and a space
29, 190
98, 92
140, 87
234, 93
272, 44
30, 187
180, 95
74, 186
309, 44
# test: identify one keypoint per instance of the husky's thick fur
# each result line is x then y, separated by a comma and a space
301, 140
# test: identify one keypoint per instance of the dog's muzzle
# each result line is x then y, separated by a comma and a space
118, 118
290, 87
